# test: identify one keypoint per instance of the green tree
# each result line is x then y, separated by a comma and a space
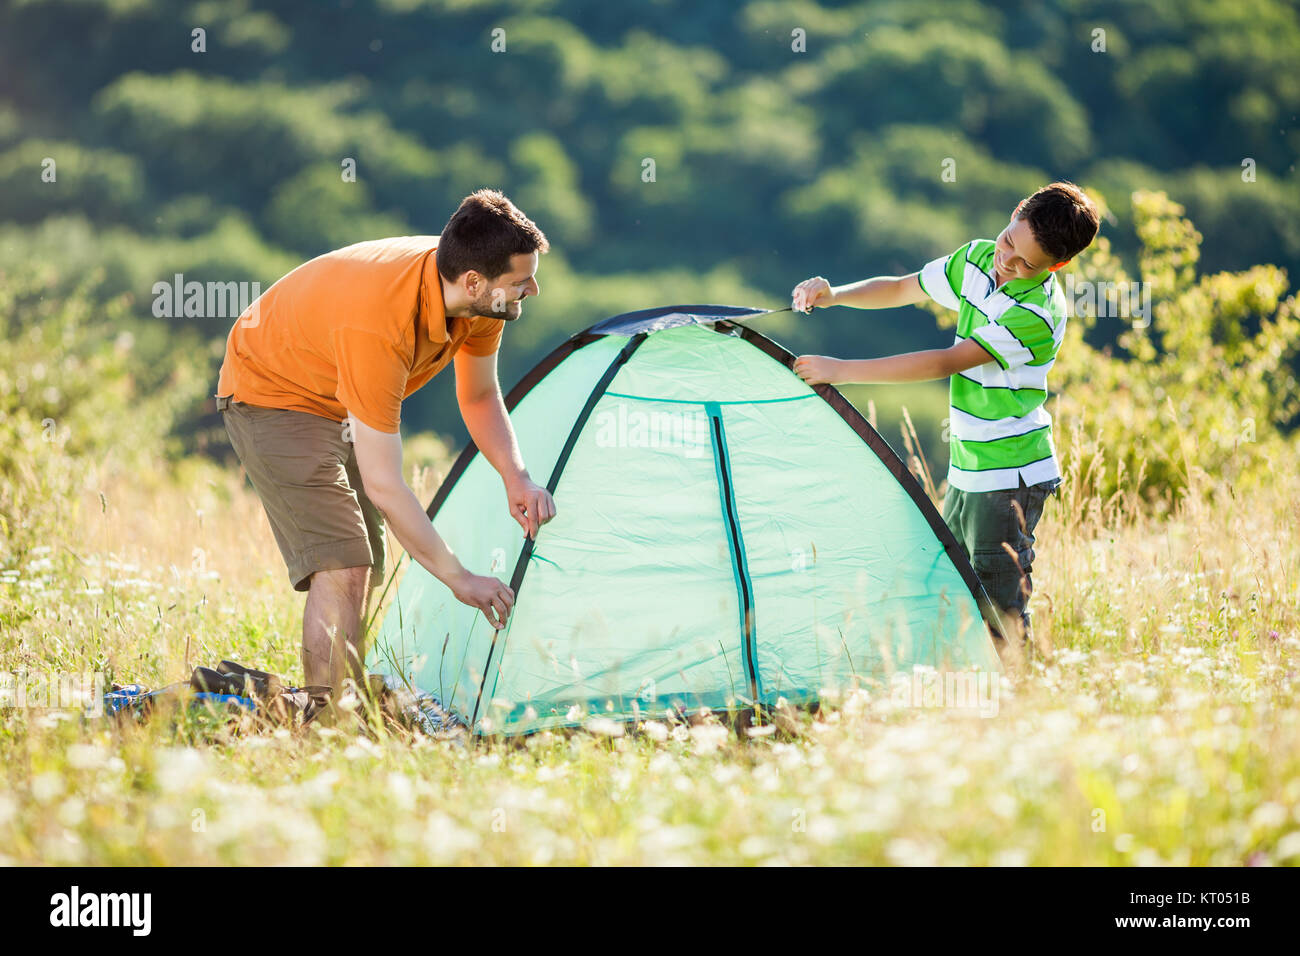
1208, 387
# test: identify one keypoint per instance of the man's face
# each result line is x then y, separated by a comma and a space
502, 297
1018, 255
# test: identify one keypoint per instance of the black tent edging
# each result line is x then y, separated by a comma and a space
513, 398
526, 552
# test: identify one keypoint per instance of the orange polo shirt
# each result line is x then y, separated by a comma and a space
355, 330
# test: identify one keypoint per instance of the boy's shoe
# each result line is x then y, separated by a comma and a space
1014, 651
1012, 655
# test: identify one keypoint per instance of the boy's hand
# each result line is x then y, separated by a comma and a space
818, 369
810, 294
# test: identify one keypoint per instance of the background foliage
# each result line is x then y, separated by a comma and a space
771, 165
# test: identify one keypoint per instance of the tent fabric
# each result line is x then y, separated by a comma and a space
726, 536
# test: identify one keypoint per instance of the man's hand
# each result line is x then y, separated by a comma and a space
811, 294
379, 459
819, 369
484, 412
490, 595
530, 504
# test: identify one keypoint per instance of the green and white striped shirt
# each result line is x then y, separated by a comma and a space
1000, 431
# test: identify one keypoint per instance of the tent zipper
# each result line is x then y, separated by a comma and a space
739, 563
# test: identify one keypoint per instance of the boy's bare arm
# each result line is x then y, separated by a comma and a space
882, 292
908, 367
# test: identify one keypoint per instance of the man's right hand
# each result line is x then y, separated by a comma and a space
490, 595
811, 294
379, 459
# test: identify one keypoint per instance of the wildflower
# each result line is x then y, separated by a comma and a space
178, 769
444, 837
401, 790
1287, 848
709, 737
1268, 816
87, 757
72, 811
46, 786
604, 727
360, 748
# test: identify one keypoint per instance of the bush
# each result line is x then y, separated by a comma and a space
1206, 387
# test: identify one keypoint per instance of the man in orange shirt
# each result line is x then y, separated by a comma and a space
311, 391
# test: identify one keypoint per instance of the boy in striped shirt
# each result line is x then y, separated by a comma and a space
1010, 324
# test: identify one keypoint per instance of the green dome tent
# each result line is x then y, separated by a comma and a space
725, 535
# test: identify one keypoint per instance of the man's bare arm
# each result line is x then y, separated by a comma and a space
379, 459
484, 412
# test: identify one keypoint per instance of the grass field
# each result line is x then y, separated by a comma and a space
1156, 723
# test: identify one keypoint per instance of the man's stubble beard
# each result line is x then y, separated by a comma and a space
484, 306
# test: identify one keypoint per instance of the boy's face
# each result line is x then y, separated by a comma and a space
1018, 255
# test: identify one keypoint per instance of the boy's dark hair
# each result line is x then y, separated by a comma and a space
1062, 218
483, 234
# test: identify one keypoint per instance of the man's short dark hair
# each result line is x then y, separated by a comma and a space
483, 234
1062, 218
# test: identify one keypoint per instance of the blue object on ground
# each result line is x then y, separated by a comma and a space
220, 699
123, 697
136, 697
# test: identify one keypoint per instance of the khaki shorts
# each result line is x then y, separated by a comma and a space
307, 477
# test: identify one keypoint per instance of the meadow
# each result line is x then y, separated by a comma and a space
1155, 722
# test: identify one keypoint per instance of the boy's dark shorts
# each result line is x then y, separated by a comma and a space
983, 520
307, 477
